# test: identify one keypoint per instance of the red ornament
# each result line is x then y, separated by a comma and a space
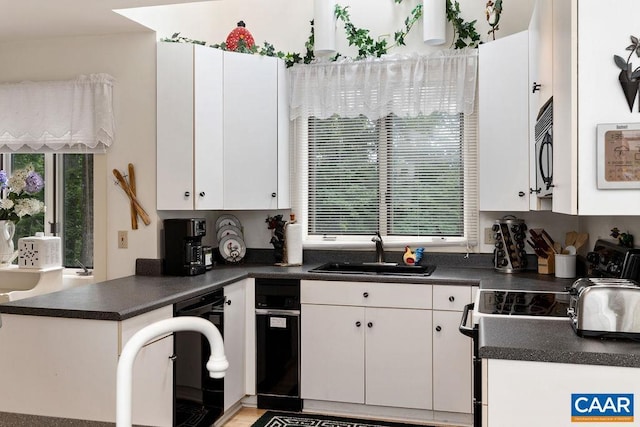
237, 34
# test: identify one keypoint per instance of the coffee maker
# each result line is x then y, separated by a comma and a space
183, 254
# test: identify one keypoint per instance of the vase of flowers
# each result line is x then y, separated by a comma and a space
16, 202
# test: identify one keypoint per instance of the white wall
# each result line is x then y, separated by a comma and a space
285, 23
130, 59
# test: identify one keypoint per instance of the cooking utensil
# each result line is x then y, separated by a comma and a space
123, 184
557, 247
570, 238
132, 185
581, 240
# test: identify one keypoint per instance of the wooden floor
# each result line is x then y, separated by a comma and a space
245, 417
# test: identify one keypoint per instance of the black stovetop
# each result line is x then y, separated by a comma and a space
523, 303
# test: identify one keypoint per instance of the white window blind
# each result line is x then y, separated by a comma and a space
402, 176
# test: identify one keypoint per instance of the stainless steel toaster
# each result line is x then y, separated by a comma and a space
605, 307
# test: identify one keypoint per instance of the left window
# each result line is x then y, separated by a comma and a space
68, 197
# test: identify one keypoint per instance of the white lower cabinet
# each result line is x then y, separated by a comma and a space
234, 343
452, 351
351, 354
387, 344
358, 353
63, 367
332, 353
398, 358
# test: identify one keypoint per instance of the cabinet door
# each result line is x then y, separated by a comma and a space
504, 124
565, 108
250, 131
174, 126
332, 359
540, 56
452, 361
398, 358
152, 402
189, 127
540, 83
208, 129
234, 342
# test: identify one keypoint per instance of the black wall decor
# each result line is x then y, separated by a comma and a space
629, 77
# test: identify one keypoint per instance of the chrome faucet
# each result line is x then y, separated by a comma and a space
379, 247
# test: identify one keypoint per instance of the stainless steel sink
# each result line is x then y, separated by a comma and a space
375, 268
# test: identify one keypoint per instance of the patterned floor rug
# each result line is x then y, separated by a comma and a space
294, 419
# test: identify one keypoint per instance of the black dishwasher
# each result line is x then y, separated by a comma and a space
278, 344
198, 398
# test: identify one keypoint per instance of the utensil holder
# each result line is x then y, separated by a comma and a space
547, 265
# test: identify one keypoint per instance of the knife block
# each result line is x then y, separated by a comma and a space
547, 265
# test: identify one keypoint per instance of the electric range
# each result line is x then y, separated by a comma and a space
517, 303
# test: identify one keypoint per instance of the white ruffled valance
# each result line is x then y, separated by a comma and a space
404, 85
61, 116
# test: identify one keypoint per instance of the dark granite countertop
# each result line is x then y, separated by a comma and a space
551, 341
500, 338
120, 299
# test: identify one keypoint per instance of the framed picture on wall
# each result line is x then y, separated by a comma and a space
618, 155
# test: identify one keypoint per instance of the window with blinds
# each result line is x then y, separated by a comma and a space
405, 176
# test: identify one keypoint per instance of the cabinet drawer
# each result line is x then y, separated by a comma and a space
367, 294
451, 297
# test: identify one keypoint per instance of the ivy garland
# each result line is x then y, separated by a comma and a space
465, 35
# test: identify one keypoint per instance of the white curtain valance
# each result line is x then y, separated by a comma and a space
61, 116
404, 85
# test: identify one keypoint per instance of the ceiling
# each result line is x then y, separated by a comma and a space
37, 19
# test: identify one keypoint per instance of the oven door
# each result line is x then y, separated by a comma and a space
472, 332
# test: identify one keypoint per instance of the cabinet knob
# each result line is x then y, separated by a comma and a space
187, 194
536, 87
358, 324
228, 302
438, 328
173, 357
452, 298
370, 324
273, 194
202, 194
521, 193
366, 294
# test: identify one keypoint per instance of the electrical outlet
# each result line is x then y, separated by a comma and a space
123, 240
488, 236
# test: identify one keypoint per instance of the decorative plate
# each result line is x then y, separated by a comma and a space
227, 219
226, 230
232, 248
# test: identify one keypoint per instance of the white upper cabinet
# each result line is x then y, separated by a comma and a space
586, 92
189, 127
254, 140
515, 82
222, 130
504, 123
